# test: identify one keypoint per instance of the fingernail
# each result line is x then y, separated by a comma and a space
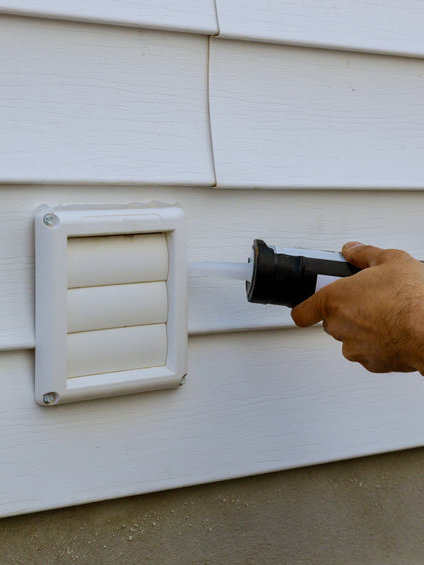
352, 244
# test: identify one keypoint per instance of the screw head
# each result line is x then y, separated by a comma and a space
49, 398
49, 220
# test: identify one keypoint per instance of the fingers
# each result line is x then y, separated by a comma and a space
352, 354
311, 311
361, 255
372, 360
364, 256
383, 367
335, 330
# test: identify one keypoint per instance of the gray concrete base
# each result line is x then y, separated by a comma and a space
364, 511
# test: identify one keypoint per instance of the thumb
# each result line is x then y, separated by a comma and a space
310, 311
361, 255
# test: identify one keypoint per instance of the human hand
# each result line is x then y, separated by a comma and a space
378, 313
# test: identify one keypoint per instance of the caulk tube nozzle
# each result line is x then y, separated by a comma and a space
289, 278
274, 276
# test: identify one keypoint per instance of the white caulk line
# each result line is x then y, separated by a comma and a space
237, 271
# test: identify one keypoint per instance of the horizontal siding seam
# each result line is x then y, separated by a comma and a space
405, 53
324, 187
29, 342
215, 32
210, 183
197, 30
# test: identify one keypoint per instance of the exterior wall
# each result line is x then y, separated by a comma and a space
95, 113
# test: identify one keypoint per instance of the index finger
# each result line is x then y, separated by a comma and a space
310, 311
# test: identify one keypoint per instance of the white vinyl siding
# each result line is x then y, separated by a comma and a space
394, 26
291, 117
196, 16
254, 402
221, 225
102, 104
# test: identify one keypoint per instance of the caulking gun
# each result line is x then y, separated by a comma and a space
280, 276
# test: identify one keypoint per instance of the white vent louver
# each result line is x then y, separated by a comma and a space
110, 302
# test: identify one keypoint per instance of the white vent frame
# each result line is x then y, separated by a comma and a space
53, 227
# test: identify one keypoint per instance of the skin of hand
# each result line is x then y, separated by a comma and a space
378, 313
